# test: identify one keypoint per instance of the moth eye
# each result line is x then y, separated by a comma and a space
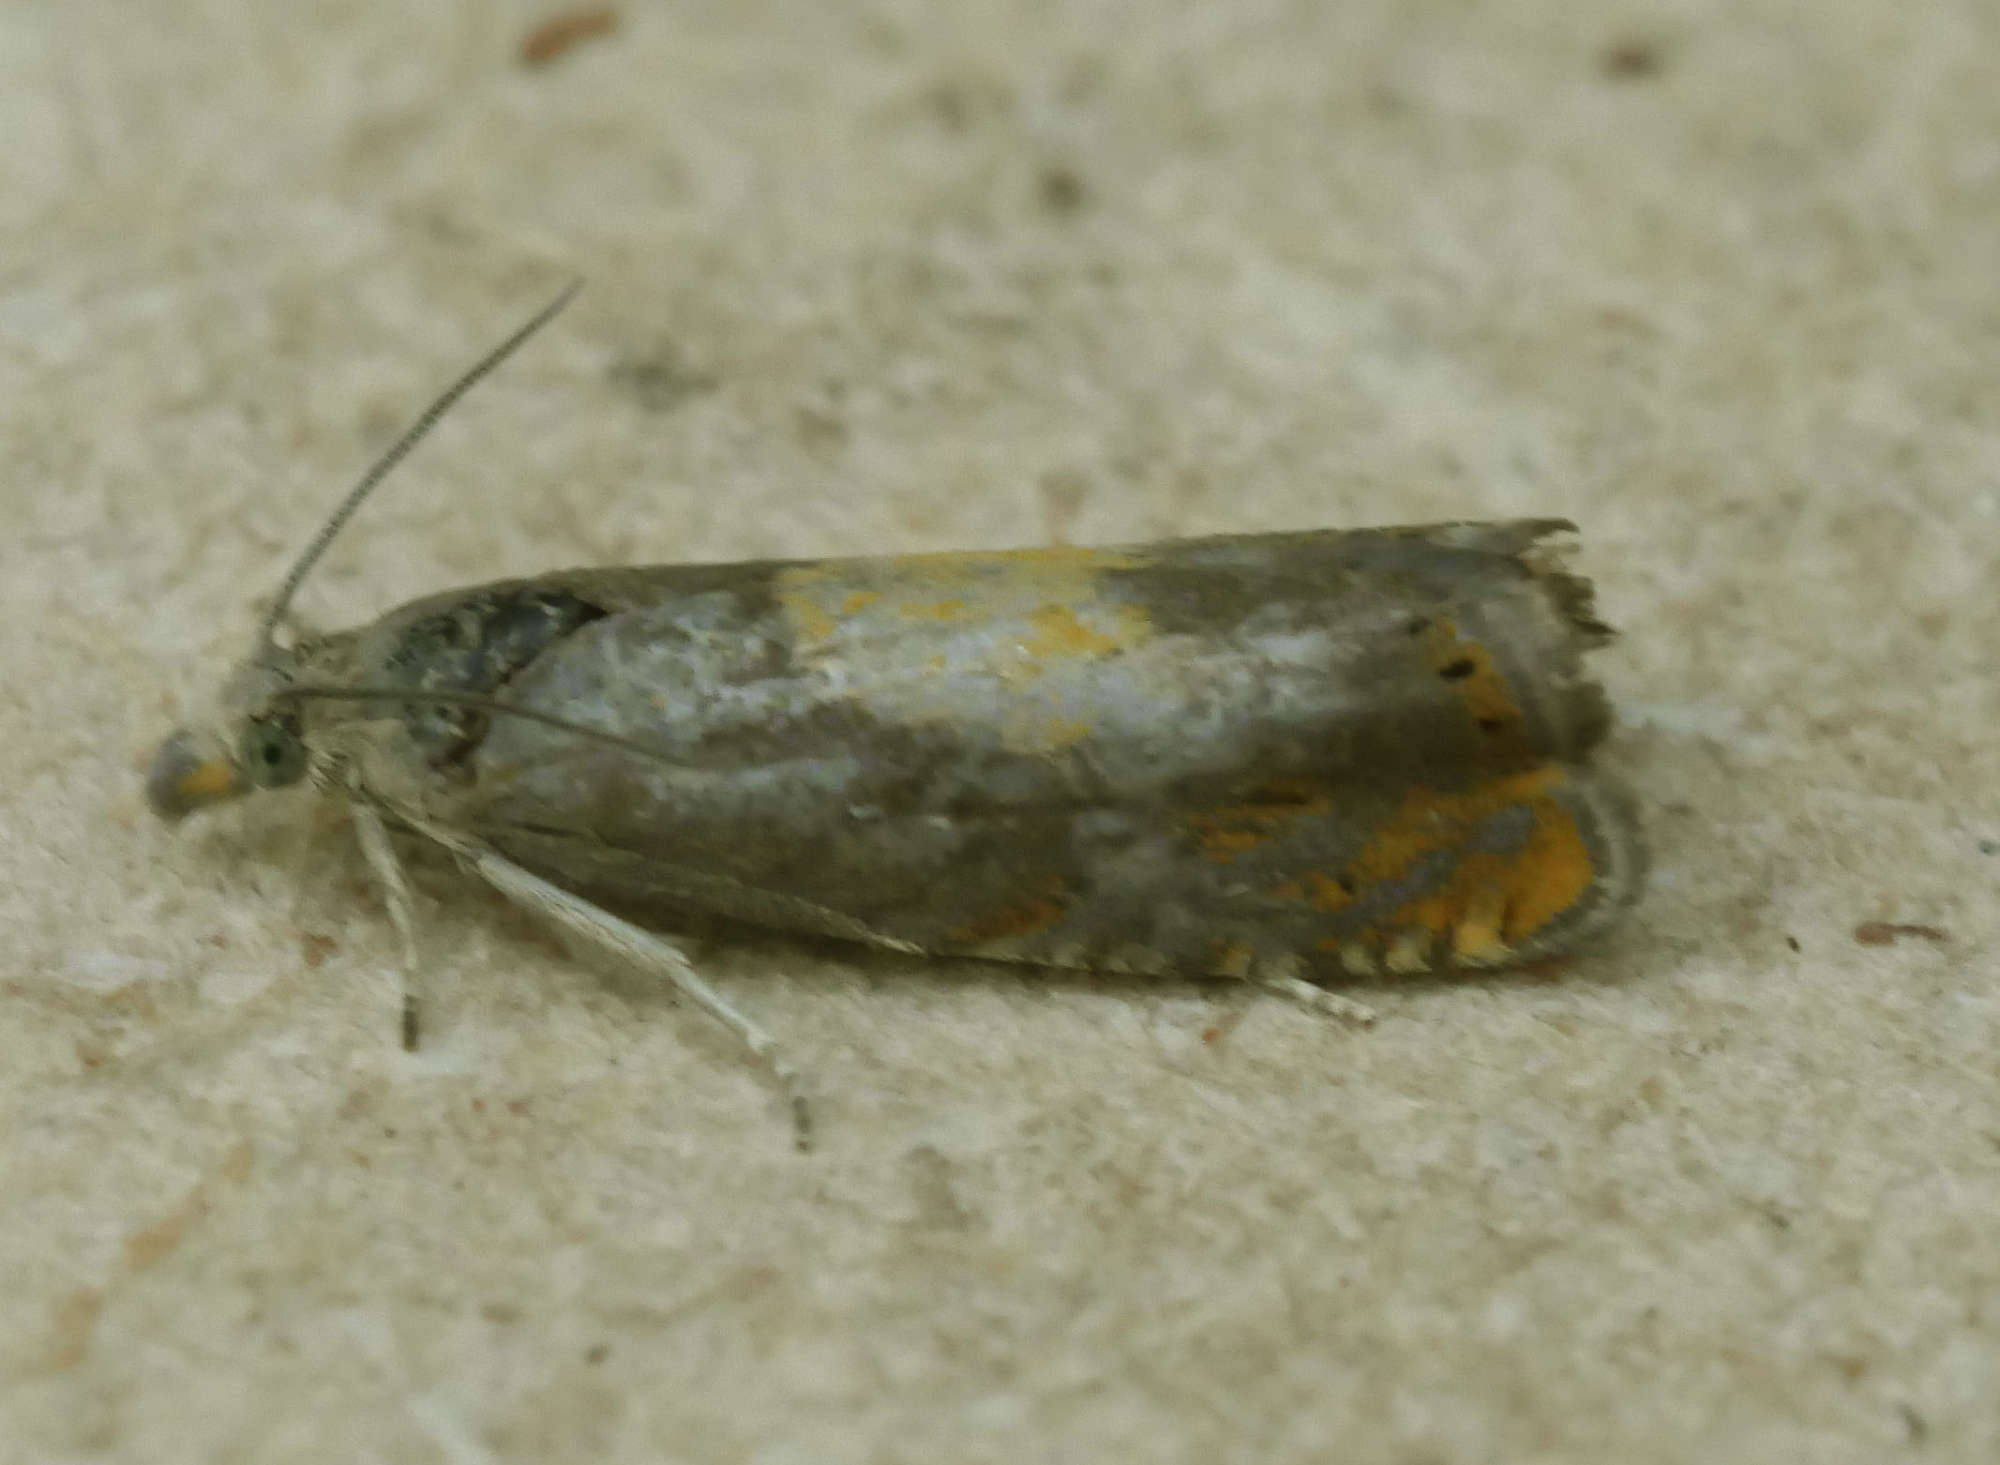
273, 754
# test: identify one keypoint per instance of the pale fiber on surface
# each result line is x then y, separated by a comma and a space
919, 276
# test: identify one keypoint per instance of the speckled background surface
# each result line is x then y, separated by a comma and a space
1717, 281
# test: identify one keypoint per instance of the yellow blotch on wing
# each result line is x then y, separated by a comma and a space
1057, 632
817, 599
1058, 733
1033, 588
1060, 634
811, 621
1011, 639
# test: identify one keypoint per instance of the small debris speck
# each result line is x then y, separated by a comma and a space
1885, 933
1913, 1424
1062, 189
662, 381
561, 33
1632, 59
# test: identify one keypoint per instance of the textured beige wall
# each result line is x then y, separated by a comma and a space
1720, 281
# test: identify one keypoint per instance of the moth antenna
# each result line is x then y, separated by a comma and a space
395, 453
473, 702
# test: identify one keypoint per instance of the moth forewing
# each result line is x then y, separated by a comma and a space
1323, 752
1266, 757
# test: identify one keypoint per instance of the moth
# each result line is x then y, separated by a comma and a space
1268, 757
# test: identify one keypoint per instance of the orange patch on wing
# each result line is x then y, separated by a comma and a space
1224, 845
1233, 829
1232, 959
1470, 667
927, 610
1029, 918
1491, 900
1326, 892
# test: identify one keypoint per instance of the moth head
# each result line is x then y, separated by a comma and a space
257, 740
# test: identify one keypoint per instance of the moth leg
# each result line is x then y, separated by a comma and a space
638, 947
1282, 976
381, 856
